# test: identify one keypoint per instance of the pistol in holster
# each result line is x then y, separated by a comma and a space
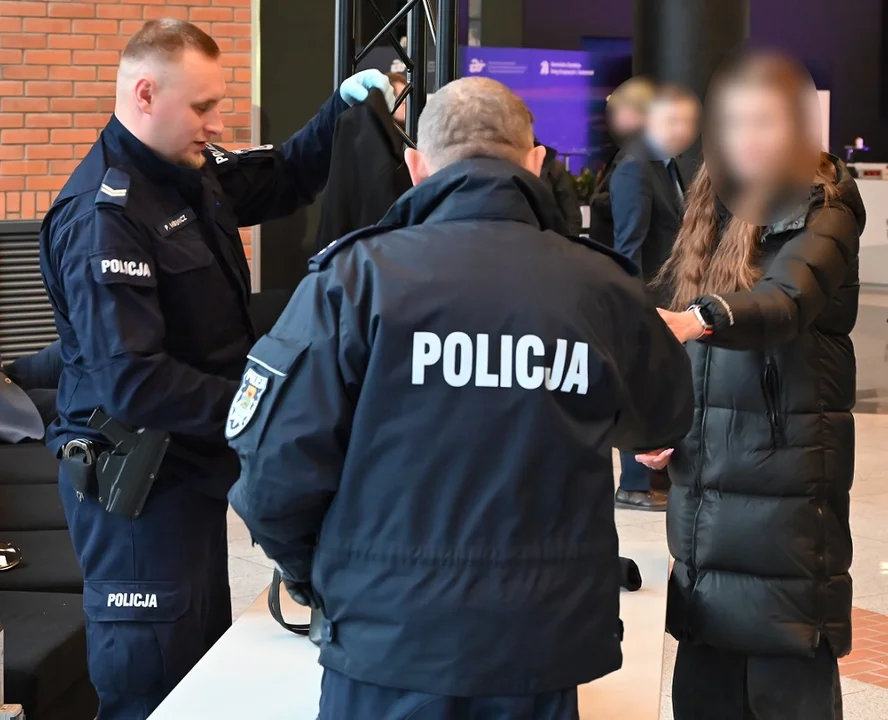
122, 476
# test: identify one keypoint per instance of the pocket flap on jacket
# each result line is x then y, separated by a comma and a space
135, 601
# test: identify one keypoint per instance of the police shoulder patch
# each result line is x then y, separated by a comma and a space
624, 262
114, 189
322, 258
245, 403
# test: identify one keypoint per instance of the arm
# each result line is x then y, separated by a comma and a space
631, 199
654, 378
121, 330
798, 285
293, 449
266, 183
39, 371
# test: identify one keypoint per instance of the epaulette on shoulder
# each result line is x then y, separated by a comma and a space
624, 262
114, 189
322, 259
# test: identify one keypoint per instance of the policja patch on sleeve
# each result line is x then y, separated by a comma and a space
245, 403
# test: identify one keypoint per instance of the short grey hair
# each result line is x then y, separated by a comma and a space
474, 117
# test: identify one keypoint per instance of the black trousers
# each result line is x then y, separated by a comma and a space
712, 684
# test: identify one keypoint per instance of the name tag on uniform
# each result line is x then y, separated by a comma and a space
177, 222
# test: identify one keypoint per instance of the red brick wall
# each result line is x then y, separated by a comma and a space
58, 61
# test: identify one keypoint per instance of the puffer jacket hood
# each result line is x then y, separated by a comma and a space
758, 519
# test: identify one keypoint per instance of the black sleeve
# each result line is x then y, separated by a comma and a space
798, 285
266, 183
566, 197
121, 330
293, 449
41, 370
654, 378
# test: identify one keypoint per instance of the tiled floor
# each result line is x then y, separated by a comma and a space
865, 671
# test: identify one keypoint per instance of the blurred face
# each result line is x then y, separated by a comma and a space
756, 133
626, 120
673, 125
180, 108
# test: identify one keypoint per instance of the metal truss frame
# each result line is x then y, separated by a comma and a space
422, 20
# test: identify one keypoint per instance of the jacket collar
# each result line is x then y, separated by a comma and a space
478, 189
149, 163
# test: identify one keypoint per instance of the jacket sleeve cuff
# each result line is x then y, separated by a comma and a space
716, 311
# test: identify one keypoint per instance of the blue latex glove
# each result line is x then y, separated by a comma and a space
356, 88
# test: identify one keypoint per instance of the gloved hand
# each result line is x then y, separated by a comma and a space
356, 88
303, 594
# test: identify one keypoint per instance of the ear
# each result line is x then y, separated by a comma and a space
535, 159
417, 164
145, 93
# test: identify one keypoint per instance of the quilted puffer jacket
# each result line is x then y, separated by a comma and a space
758, 513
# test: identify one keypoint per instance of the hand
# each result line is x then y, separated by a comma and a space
356, 88
684, 325
656, 460
302, 593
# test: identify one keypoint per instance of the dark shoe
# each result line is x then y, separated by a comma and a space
648, 501
660, 481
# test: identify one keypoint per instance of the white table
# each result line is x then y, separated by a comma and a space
259, 670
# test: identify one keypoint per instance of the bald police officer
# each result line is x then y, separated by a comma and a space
145, 269
425, 436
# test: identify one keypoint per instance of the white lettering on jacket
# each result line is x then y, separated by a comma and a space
147, 600
126, 267
217, 154
523, 361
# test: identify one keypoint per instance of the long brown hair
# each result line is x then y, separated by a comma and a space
701, 263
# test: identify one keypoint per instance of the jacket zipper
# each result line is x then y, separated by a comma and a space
698, 481
771, 387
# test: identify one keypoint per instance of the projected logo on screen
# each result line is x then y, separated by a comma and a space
476, 66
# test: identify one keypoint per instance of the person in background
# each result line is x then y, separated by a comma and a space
563, 189
626, 115
758, 521
647, 198
425, 435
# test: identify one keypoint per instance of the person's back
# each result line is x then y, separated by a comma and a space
446, 388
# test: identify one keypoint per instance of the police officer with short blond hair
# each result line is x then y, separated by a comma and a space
145, 268
425, 435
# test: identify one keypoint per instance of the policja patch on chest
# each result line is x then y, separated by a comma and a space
245, 403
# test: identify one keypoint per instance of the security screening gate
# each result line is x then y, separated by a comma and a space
422, 19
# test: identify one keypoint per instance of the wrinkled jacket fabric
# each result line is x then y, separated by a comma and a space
758, 519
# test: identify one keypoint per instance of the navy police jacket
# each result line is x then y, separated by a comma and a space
146, 272
426, 434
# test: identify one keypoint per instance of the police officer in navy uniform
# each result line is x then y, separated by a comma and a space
425, 435
144, 266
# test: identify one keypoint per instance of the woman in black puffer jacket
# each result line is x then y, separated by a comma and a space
758, 519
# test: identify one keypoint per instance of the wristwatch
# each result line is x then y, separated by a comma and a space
699, 314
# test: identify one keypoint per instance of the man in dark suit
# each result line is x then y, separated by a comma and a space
647, 200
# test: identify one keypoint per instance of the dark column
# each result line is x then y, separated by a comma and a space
296, 54
683, 41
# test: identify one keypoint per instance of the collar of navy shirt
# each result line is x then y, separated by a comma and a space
479, 189
188, 181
